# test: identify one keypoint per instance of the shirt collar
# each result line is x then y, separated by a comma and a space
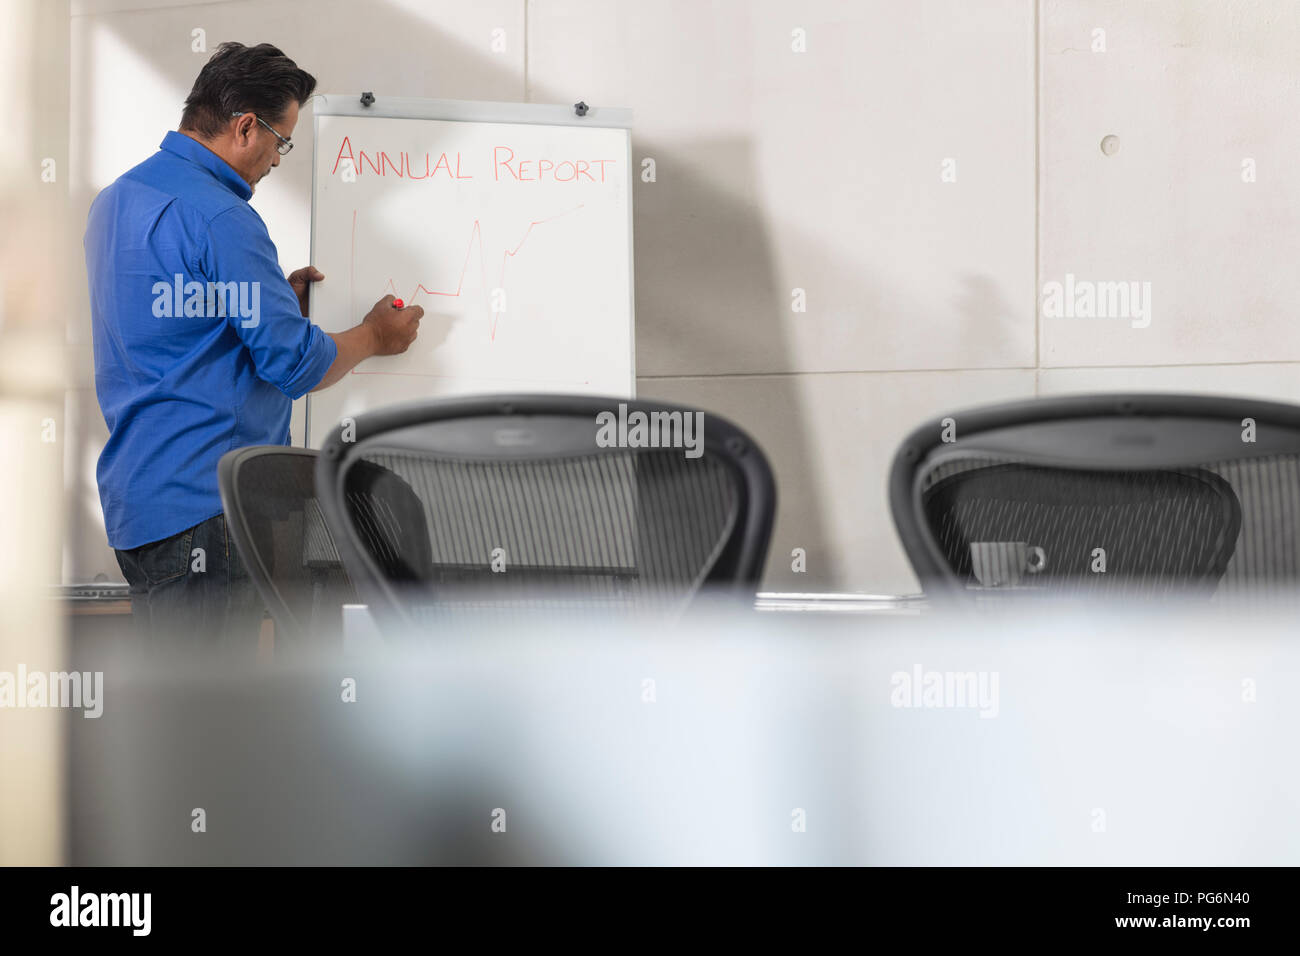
189, 148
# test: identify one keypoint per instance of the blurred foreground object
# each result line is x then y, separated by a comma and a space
1111, 736
34, 207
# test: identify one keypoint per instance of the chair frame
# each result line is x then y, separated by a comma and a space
241, 534
1072, 442
737, 570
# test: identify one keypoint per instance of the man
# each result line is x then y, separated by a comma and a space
182, 379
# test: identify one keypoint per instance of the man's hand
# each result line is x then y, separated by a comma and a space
384, 331
394, 329
300, 279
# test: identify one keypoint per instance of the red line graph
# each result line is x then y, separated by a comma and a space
476, 234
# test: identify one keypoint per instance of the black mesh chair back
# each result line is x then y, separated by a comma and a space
269, 496
523, 506
1123, 495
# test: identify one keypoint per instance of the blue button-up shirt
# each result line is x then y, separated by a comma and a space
186, 370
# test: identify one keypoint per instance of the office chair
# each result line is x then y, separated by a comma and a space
269, 497
1127, 495
523, 507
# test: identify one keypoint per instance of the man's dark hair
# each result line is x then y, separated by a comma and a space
251, 79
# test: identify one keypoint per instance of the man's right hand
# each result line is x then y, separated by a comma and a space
393, 329
384, 331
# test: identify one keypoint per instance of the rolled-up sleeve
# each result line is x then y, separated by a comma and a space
288, 350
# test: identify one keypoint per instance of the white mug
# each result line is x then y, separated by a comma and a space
1001, 564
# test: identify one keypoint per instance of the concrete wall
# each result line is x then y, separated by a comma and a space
921, 170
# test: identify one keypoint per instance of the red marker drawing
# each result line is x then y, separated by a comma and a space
397, 303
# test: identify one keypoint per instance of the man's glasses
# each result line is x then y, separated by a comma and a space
283, 146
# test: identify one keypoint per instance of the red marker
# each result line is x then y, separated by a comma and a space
397, 303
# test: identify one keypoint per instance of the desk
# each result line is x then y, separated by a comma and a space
102, 611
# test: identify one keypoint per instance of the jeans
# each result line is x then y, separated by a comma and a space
193, 589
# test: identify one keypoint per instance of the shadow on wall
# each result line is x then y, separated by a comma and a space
701, 253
